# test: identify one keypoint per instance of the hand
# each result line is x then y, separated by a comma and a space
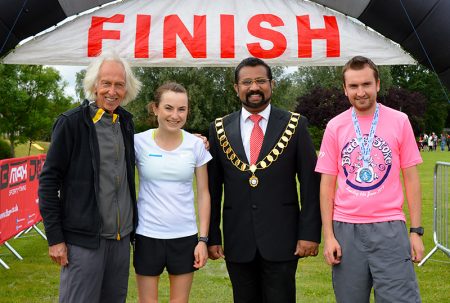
204, 139
306, 248
417, 248
215, 252
332, 251
58, 253
200, 255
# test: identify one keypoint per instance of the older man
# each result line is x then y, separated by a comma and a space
87, 191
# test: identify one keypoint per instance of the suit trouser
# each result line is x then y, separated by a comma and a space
96, 275
263, 281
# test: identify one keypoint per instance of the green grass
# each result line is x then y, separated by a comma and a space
35, 279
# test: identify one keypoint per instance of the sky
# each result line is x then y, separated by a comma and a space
68, 74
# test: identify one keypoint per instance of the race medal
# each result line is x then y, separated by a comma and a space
366, 174
253, 180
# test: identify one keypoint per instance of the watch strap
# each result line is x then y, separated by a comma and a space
203, 239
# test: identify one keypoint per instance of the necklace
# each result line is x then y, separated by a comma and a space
270, 158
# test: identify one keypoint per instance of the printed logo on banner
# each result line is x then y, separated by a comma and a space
18, 173
8, 212
19, 207
14, 174
31, 218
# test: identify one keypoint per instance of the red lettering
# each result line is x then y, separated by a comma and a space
306, 34
227, 49
97, 34
142, 36
195, 44
277, 38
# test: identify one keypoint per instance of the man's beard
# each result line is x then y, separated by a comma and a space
259, 104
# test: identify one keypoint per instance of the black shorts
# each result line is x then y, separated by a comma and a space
152, 255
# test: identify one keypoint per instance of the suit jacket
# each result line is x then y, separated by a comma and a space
267, 217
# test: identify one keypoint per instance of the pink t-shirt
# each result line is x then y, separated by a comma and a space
380, 198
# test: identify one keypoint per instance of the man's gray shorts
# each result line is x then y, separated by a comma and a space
378, 255
96, 275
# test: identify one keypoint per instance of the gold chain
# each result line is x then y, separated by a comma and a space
271, 157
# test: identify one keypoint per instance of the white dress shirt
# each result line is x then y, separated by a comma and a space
247, 126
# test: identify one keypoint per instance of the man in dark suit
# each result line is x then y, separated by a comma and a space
258, 154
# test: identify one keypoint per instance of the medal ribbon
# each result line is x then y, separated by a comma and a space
365, 148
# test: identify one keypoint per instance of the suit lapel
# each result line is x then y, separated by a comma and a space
233, 131
275, 127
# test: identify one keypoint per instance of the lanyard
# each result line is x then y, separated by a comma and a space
365, 147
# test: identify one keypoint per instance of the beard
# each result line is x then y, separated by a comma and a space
259, 104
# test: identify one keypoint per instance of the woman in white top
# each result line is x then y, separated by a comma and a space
167, 237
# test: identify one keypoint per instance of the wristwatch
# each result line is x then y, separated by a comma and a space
203, 239
418, 230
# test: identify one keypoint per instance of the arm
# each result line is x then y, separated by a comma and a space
50, 181
414, 197
215, 183
332, 250
309, 220
204, 212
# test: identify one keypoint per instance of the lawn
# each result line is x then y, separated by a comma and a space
35, 279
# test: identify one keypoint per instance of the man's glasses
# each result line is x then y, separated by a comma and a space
249, 82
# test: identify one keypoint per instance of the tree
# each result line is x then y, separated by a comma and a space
210, 91
30, 98
79, 76
320, 105
411, 103
306, 78
417, 78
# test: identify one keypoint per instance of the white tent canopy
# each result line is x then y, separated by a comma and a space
210, 33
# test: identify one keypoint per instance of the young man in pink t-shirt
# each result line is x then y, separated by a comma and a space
365, 236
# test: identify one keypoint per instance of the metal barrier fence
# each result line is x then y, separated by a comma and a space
441, 221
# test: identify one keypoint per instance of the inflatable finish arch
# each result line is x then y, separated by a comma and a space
399, 20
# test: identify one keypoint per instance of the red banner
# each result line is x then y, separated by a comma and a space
19, 208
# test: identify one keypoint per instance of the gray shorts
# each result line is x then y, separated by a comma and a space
378, 255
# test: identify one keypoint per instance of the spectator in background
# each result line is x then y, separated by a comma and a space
448, 141
430, 142
435, 141
443, 140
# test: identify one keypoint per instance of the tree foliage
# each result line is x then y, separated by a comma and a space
411, 103
79, 76
306, 78
417, 78
31, 96
320, 105
411, 89
210, 90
